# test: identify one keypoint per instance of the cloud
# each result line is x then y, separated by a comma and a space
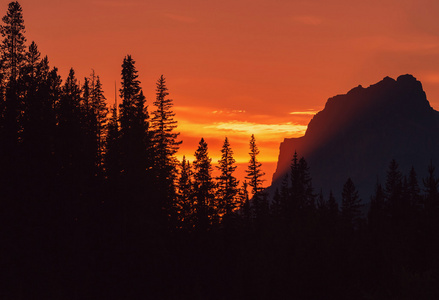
308, 20
228, 112
308, 112
268, 131
180, 18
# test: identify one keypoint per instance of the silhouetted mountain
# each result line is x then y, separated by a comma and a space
357, 134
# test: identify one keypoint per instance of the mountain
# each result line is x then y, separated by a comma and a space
357, 135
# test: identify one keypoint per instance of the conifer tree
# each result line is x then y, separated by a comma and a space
393, 185
69, 126
254, 171
12, 59
227, 183
133, 123
165, 145
112, 149
203, 187
350, 204
413, 190
244, 201
377, 212
431, 188
100, 113
254, 175
185, 207
13, 45
301, 195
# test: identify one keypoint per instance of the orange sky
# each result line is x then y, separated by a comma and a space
240, 67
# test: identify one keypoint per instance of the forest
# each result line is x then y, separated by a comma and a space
95, 204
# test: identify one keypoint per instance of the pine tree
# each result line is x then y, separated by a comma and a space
394, 187
254, 175
254, 171
112, 148
165, 145
133, 124
185, 208
13, 45
413, 190
100, 113
377, 212
12, 59
203, 187
431, 184
301, 195
227, 183
69, 135
350, 204
244, 201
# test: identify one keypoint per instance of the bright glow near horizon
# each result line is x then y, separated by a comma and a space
239, 67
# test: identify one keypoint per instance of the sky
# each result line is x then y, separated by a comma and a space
241, 67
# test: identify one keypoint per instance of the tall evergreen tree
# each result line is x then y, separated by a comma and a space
350, 204
227, 183
13, 46
394, 187
254, 171
203, 187
100, 113
431, 188
112, 148
165, 146
254, 175
12, 59
133, 123
413, 190
184, 205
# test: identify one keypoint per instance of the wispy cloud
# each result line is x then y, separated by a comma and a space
228, 112
308, 20
307, 112
180, 18
266, 130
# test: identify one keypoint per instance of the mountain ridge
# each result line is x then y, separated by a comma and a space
358, 133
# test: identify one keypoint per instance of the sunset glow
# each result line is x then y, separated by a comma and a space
236, 68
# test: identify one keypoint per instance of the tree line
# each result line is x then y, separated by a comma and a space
94, 202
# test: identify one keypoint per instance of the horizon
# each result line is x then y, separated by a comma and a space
224, 66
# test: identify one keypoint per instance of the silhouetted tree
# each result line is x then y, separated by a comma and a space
394, 190
12, 59
13, 46
100, 113
112, 146
244, 201
203, 187
413, 190
254, 175
165, 146
133, 124
184, 204
350, 204
431, 184
227, 183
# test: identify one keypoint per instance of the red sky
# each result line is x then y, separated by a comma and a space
240, 67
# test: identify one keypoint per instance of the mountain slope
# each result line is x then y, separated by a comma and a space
357, 134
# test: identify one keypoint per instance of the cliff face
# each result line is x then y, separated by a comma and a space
357, 134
